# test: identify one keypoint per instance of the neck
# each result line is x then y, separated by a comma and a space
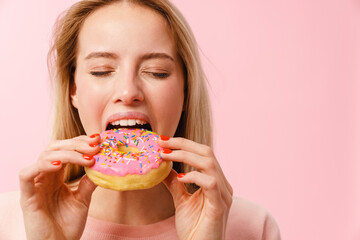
138, 207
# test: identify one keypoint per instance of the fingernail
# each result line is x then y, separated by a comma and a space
56, 163
95, 135
180, 175
93, 144
87, 157
165, 150
164, 138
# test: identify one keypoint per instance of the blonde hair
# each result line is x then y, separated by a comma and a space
195, 123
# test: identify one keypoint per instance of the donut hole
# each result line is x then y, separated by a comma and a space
125, 149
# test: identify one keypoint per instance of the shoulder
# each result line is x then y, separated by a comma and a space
10, 204
248, 220
11, 219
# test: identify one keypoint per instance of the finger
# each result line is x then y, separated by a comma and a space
192, 159
187, 145
26, 179
200, 149
176, 188
53, 162
197, 148
85, 190
207, 165
29, 176
82, 144
59, 158
207, 183
228, 187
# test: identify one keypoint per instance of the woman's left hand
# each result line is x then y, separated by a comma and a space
203, 214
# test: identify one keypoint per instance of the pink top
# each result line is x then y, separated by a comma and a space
247, 221
111, 161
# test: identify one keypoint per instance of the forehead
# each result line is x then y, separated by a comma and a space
125, 28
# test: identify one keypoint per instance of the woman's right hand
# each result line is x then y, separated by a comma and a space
50, 209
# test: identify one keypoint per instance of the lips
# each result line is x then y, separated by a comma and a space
128, 120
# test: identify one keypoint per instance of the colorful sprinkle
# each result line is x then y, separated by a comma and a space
142, 139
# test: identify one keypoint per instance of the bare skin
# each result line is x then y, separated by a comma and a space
47, 203
119, 82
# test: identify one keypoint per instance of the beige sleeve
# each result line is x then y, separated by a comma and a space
250, 221
271, 229
11, 218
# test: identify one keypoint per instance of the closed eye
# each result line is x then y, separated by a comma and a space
106, 73
159, 75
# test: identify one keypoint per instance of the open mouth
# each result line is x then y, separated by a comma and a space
129, 123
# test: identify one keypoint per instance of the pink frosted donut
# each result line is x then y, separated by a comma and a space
129, 159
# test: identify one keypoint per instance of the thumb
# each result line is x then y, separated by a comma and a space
176, 188
85, 190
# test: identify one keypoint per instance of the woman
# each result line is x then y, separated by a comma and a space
132, 60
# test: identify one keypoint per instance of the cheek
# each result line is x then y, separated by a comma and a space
169, 104
173, 101
90, 100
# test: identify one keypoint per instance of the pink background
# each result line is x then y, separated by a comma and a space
285, 91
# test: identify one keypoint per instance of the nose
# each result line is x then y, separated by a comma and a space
127, 89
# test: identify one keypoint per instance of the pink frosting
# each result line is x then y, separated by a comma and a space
111, 161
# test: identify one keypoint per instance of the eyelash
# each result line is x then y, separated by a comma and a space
100, 74
159, 75
156, 75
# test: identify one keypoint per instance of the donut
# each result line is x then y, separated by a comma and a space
129, 159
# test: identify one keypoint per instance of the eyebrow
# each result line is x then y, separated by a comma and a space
115, 56
156, 55
101, 55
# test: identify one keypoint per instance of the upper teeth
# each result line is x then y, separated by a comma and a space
128, 122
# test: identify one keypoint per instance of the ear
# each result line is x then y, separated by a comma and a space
73, 95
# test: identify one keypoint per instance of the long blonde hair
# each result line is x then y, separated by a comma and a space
195, 123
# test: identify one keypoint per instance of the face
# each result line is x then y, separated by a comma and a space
127, 71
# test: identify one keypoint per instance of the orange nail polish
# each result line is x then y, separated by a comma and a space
93, 144
87, 157
164, 138
165, 150
56, 163
95, 135
180, 175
